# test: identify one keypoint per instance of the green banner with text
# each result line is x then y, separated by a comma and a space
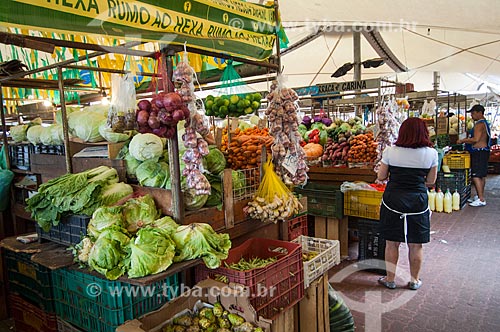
229, 26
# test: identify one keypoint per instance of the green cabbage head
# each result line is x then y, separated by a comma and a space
214, 162
151, 252
104, 217
140, 212
107, 256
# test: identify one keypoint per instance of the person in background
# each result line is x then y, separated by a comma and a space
478, 144
411, 166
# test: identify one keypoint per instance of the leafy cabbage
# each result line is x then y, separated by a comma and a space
114, 192
153, 174
215, 198
107, 256
214, 162
85, 125
18, 133
146, 146
151, 252
200, 240
52, 135
140, 212
109, 135
33, 134
167, 224
103, 218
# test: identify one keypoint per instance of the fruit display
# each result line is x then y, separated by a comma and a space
232, 105
363, 148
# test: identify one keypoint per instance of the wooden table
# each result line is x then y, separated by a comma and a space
337, 175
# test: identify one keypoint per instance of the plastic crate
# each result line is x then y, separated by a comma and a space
273, 288
48, 149
19, 155
100, 305
328, 255
29, 318
456, 179
69, 231
63, 326
363, 203
297, 226
30, 280
371, 246
322, 200
456, 160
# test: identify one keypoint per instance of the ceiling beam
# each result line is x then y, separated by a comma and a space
376, 41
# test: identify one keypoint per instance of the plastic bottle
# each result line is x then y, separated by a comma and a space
447, 202
432, 199
439, 201
456, 200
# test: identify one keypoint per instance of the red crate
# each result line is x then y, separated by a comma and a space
272, 289
297, 226
29, 318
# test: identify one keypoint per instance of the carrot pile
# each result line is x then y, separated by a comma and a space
363, 148
244, 149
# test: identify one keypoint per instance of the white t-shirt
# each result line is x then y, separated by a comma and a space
424, 157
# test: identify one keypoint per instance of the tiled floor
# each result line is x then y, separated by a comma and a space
460, 274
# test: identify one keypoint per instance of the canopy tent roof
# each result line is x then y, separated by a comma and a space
460, 39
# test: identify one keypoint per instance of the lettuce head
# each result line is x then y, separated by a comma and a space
107, 255
140, 212
214, 162
104, 217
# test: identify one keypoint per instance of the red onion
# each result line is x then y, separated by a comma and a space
158, 101
170, 132
186, 112
142, 117
144, 105
153, 121
172, 101
178, 115
160, 131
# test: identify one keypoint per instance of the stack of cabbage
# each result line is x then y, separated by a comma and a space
147, 160
133, 239
80, 193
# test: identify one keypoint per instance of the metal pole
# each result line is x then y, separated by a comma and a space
437, 78
173, 153
69, 166
4, 130
356, 37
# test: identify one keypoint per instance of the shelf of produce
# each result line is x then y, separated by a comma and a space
337, 175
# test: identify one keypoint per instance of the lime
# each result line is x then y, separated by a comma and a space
219, 101
257, 96
241, 104
226, 102
234, 99
249, 110
255, 105
233, 108
249, 97
224, 97
209, 104
209, 112
247, 103
223, 110
215, 108
210, 97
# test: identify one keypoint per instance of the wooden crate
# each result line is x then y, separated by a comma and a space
333, 229
286, 322
49, 166
84, 164
312, 312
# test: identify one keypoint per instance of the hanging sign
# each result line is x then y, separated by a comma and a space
230, 26
324, 89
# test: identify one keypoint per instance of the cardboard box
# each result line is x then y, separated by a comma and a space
231, 296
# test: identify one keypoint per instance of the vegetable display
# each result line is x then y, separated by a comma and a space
363, 148
215, 319
244, 150
19, 132
80, 193
146, 146
232, 105
335, 152
273, 201
288, 155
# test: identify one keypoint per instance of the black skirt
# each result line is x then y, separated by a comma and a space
392, 225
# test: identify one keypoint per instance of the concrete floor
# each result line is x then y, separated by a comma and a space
460, 275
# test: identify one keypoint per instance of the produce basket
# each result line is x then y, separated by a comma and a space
273, 288
29, 318
363, 203
371, 246
326, 255
19, 155
322, 200
297, 226
100, 305
30, 280
456, 160
69, 231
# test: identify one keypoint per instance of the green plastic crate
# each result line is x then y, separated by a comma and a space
30, 280
96, 304
323, 200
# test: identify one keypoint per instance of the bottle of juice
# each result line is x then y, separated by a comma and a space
439, 201
432, 199
456, 200
447, 202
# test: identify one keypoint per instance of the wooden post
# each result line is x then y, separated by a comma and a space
173, 153
69, 166
278, 51
4, 130
227, 191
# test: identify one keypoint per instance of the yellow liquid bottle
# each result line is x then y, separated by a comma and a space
439, 201
447, 202
456, 201
432, 199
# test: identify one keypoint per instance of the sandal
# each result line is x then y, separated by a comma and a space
415, 285
388, 284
